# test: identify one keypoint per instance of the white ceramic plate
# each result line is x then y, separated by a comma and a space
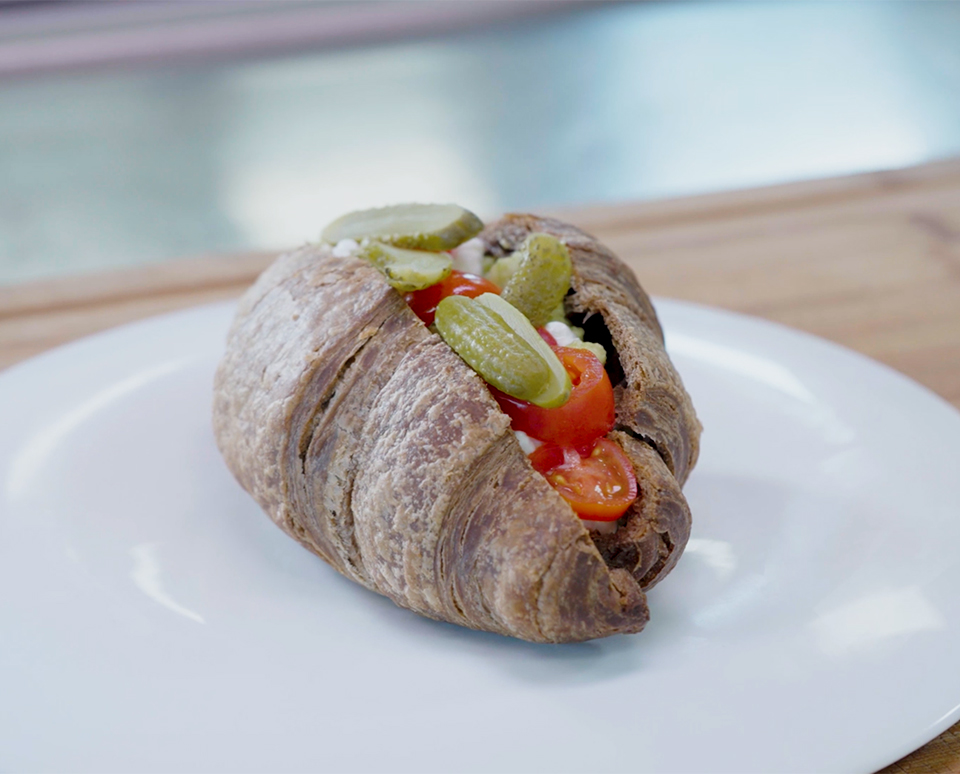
151, 618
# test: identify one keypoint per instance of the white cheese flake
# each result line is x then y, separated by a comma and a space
561, 332
468, 257
603, 527
528, 444
567, 336
345, 248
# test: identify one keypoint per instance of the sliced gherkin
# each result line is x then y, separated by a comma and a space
559, 314
434, 227
491, 347
557, 390
407, 270
502, 270
542, 278
590, 346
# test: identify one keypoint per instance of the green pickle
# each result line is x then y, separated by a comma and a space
502, 269
560, 315
590, 346
491, 348
433, 227
557, 391
407, 270
541, 279
499, 343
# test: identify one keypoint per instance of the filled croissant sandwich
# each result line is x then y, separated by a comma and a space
479, 422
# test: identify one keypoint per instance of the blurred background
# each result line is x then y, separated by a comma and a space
139, 132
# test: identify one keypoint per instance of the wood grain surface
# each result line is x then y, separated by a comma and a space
870, 261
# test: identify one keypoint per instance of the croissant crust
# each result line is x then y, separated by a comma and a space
367, 439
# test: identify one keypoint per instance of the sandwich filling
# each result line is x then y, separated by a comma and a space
505, 318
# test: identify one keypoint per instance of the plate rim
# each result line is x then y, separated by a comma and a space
22, 369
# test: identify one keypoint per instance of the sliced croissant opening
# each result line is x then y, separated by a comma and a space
642, 555
595, 329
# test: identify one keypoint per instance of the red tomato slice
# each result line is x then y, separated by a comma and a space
599, 484
458, 283
547, 337
588, 414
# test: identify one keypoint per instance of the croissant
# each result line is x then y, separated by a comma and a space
365, 437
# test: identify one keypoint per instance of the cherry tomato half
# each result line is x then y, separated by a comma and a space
588, 414
458, 283
547, 337
599, 483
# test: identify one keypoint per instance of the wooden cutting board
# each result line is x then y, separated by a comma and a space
870, 261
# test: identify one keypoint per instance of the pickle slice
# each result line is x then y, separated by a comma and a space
541, 279
559, 314
557, 390
590, 346
502, 270
434, 227
407, 270
491, 347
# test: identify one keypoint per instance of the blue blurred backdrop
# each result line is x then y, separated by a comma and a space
131, 164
